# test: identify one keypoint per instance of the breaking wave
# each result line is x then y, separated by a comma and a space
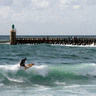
46, 74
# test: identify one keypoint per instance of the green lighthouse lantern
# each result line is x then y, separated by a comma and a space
13, 26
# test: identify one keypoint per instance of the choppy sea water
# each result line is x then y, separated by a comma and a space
59, 70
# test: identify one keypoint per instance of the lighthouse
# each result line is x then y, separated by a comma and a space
13, 35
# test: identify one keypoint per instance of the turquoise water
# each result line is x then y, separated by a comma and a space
59, 70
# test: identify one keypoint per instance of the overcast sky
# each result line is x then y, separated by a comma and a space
48, 17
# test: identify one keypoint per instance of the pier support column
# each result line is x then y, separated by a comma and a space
13, 35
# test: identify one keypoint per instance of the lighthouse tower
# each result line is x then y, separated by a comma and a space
13, 35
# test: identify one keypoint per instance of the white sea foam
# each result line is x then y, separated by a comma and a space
73, 86
5, 69
15, 80
89, 69
1, 84
41, 70
42, 87
70, 45
91, 45
10, 68
60, 83
84, 69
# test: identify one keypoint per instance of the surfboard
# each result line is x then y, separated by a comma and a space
29, 65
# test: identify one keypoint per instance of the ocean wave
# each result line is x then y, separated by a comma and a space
46, 74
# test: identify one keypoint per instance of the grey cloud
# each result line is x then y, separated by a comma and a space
90, 2
6, 2
80, 2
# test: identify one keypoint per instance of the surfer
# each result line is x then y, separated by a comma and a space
22, 63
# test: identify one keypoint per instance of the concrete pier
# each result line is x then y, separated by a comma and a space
49, 40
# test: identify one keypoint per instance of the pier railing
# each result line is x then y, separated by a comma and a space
47, 40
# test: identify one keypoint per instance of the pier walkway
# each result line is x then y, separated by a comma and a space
47, 40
